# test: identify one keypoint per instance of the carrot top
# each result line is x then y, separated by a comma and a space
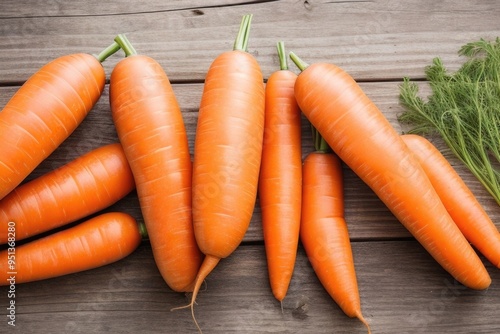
302, 65
282, 55
125, 45
143, 231
320, 144
107, 52
241, 41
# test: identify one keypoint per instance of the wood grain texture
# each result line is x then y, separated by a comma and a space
373, 40
130, 297
379, 42
367, 216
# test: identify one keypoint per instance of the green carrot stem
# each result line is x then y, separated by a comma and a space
143, 231
302, 65
320, 144
107, 52
125, 44
241, 41
282, 56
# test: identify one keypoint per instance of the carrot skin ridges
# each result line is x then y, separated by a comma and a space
96, 242
151, 129
227, 157
82, 187
462, 205
324, 233
227, 152
45, 110
280, 182
363, 138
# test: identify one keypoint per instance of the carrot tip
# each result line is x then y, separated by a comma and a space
180, 307
363, 320
209, 263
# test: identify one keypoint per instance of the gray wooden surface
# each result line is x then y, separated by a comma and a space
402, 289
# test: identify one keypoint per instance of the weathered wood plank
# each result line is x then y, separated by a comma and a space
54, 8
402, 291
367, 216
372, 40
402, 288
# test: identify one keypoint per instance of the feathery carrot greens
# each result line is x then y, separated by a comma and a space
463, 110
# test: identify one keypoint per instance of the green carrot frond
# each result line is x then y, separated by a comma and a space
463, 109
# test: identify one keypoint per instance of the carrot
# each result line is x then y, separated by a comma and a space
365, 140
227, 153
45, 111
323, 229
280, 182
458, 199
96, 242
151, 129
82, 187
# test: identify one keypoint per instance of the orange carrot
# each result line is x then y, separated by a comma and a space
82, 187
151, 130
280, 183
227, 153
98, 241
45, 111
458, 199
364, 139
323, 230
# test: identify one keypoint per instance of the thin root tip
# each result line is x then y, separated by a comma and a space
194, 319
209, 263
180, 307
363, 320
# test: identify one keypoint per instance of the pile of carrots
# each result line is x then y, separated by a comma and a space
248, 142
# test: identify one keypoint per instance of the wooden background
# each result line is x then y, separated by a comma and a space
402, 289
